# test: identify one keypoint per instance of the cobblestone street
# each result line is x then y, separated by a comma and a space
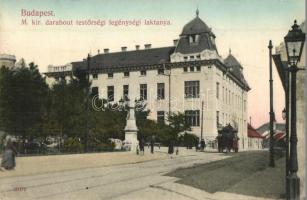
122, 176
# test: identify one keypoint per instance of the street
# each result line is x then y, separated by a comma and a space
145, 180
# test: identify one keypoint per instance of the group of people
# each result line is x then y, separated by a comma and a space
151, 145
8, 156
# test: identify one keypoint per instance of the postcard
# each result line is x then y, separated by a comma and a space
139, 99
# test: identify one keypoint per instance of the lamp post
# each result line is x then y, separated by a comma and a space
272, 162
87, 102
285, 116
294, 41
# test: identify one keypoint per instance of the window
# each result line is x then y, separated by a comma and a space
191, 57
185, 69
185, 58
217, 118
244, 106
192, 69
198, 56
94, 91
110, 93
198, 68
192, 117
223, 94
217, 90
125, 91
143, 73
161, 71
95, 76
226, 96
126, 74
110, 75
191, 89
193, 39
143, 91
161, 91
160, 116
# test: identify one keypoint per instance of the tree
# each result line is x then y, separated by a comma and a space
23, 95
178, 122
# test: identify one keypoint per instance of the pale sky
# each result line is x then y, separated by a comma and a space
245, 26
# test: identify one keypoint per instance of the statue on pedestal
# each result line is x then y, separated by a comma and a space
131, 142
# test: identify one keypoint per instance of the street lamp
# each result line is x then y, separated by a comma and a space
272, 117
294, 41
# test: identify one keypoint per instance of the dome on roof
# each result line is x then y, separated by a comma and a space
195, 26
231, 61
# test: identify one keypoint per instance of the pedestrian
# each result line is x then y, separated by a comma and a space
8, 158
171, 147
202, 144
142, 142
152, 144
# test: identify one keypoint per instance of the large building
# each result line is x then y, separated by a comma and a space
185, 77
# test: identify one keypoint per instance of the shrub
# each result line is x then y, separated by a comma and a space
73, 145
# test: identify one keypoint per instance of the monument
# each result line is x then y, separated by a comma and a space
131, 142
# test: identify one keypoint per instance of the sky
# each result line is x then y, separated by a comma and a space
244, 26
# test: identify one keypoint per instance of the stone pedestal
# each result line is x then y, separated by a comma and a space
131, 141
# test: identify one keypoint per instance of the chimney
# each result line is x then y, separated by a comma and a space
175, 42
147, 46
124, 48
137, 47
106, 50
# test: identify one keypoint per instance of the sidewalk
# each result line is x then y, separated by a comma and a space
246, 176
54, 163
262, 185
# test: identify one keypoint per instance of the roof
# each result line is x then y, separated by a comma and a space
252, 133
204, 42
279, 135
128, 58
232, 61
235, 68
266, 127
195, 26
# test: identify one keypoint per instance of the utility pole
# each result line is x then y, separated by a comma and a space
272, 162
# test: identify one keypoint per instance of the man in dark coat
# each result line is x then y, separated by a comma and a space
202, 144
142, 143
171, 147
8, 158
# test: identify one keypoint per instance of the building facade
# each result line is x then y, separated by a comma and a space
190, 77
7, 60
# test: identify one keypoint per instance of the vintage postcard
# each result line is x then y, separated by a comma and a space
140, 99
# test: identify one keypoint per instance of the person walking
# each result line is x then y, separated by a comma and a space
171, 147
142, 143
8, 157
202, 144
152, 144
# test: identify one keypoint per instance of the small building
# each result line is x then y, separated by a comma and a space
255, 139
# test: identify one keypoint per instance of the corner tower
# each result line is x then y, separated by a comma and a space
196, 42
